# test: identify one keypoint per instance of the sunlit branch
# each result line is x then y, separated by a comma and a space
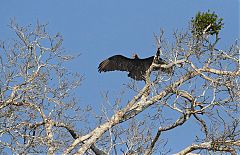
177, 123
223, 146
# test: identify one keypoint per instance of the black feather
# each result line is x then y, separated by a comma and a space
136, 67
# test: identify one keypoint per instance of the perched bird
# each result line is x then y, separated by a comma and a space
135, 66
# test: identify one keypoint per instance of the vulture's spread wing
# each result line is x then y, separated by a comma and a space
117, 62
136, 67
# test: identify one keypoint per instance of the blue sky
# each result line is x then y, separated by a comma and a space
99, 29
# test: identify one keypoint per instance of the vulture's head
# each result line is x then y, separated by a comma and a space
135, 56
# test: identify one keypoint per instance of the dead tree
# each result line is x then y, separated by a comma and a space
40, 114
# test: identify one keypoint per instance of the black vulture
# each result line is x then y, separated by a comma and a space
135, 66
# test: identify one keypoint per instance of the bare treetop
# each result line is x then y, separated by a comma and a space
40, 114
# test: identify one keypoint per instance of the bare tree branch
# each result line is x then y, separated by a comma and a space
213, 146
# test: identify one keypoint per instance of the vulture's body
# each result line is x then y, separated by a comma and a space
136, 67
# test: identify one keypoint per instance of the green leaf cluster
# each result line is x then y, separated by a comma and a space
202, 20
